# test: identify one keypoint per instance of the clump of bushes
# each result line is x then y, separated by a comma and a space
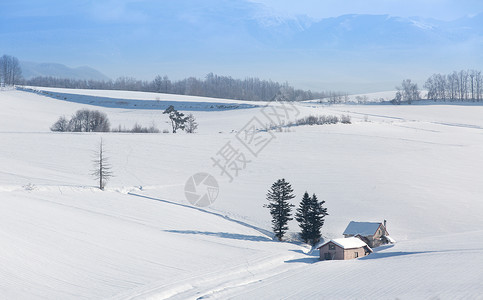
84, 120
345, 119
137, 129
323, 120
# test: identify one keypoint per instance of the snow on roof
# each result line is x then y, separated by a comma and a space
390, 239
347, 243
362, 228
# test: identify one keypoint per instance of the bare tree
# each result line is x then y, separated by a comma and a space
408, 92
10, 71
478, 83
85, 120
102, 168
62, 125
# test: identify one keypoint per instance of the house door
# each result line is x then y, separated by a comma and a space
328, 256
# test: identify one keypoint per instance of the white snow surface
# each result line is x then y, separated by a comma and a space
418, 167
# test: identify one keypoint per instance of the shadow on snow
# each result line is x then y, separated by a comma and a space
226, 235
261, 230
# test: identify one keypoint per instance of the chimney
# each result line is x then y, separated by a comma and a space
385, 225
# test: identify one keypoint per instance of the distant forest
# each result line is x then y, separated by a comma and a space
212, 85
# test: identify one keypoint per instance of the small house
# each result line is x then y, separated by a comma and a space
343, 249
374, 234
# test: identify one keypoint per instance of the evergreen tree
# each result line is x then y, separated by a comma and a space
318, 213
310, 216
279, 196
303, 216
178, 120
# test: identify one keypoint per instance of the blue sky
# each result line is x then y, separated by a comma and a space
270, 39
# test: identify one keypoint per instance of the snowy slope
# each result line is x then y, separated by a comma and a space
416, 166
433, 268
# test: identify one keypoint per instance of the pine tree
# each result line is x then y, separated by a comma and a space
318, 213
279, 196
303, 216
178, 119
310, 216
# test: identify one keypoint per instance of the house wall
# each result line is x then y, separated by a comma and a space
377, 238
351, 253
337, 254
340, 253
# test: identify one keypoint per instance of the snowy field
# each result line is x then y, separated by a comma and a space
419, 167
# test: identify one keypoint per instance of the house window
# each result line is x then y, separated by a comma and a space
331, 247
356, 254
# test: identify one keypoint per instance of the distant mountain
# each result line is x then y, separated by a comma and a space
31, 70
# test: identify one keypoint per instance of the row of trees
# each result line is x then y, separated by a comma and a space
211, 86
310, 214
465, 85
85, 120
10, 71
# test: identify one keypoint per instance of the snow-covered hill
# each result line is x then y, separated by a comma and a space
416, 166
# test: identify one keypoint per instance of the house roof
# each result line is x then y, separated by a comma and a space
362, 228
347, 243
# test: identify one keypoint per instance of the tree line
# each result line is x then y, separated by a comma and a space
212, 85
215, 86
465, 85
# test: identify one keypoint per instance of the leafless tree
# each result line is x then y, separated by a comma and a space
62, 125
407, 92
85, 120
10, 71
102, 168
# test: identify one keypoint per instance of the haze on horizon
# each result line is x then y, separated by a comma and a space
311, 44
